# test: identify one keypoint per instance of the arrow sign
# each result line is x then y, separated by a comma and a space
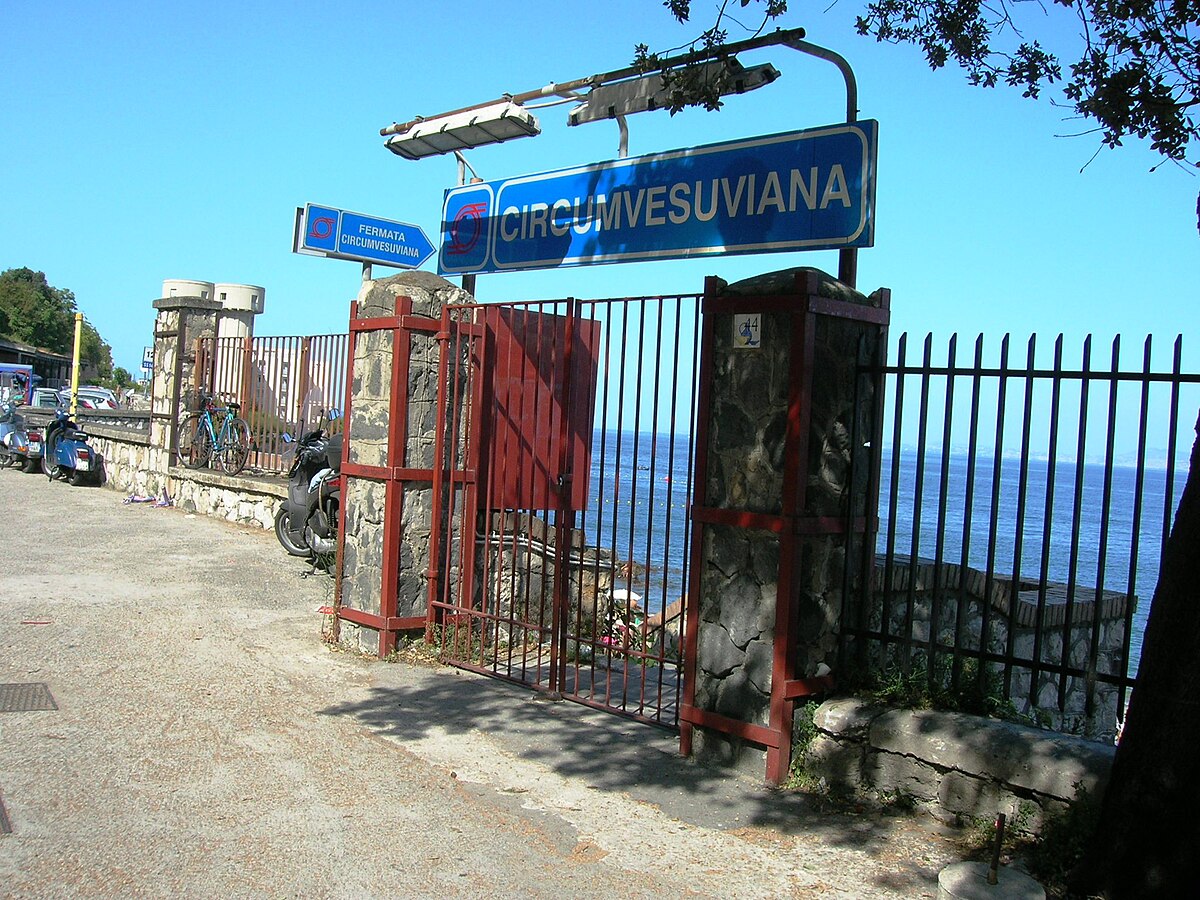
337, 233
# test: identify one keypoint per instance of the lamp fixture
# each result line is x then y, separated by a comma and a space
479, 127
649, 92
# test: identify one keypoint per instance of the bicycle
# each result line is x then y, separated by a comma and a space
213, 430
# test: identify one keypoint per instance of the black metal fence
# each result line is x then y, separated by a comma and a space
1024, 502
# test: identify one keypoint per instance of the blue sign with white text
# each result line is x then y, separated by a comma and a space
803, 190
350, 235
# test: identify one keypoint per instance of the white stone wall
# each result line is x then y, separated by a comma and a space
132, 466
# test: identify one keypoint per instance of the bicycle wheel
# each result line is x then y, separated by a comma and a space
235, 446
195, 441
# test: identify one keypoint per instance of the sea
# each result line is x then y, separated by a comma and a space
639, 494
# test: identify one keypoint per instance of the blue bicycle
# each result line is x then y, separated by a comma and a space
214, 431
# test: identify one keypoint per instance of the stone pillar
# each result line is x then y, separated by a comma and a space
785, 509
179, 323
391, 431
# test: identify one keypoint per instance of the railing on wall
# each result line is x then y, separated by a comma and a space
1024, 504
285, 385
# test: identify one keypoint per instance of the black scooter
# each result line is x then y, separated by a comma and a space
307, 521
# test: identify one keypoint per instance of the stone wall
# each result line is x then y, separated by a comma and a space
960, 598
243, 499
954, 766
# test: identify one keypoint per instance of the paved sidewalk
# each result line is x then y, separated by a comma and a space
206, 743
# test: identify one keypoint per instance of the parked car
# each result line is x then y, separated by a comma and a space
90, 398
103, 392
45, 397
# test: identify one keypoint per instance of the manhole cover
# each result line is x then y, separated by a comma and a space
25, 697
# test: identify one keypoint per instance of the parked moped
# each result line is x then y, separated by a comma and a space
9, 426
67, 453
307, 521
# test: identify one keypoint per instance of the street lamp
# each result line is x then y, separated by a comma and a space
650, 92
611, 95
491, 124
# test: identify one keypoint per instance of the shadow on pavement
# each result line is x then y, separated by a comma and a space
610, 753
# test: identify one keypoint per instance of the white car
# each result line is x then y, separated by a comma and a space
91, 398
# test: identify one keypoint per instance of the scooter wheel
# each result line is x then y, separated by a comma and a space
75, 479
282, 520
31, 466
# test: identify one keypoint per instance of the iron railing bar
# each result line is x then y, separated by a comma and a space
894, 492
1047, 519
1135, 528
968, 509
616, 502
633, 497
1110, 436
544, 439
935, 616
650, 504
1172, 448
511, 571
1019, 530
689, 496
989, 576
674, 409
1076, 523
918, 499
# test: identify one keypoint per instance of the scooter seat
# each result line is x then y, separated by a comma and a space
76, 436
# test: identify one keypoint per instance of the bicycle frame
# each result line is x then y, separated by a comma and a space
227, 436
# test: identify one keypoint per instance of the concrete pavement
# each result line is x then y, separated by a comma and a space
207, 743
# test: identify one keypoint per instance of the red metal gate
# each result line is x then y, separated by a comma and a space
561, 498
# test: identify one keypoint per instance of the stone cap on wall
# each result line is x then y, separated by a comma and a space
187, 303
1000, 596
790, 281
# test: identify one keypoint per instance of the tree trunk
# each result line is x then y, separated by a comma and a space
1148, 836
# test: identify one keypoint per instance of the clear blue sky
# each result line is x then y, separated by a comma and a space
144, 141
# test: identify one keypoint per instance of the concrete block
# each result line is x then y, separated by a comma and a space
969, 795
835, 761
888, 772
848, 718
1024, 758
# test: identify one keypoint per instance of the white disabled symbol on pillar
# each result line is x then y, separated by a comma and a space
746, 331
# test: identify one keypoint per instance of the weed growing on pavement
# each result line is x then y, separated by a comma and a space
804, 733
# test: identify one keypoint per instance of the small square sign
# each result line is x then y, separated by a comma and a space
747, 334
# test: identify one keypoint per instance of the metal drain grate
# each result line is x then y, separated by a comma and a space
26, 697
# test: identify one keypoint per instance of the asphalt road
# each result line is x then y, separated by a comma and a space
207, 743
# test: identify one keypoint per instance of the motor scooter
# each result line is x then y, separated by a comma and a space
10, 427
306, 523
32, 449
67, 454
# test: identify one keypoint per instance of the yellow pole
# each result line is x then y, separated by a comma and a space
75, 363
